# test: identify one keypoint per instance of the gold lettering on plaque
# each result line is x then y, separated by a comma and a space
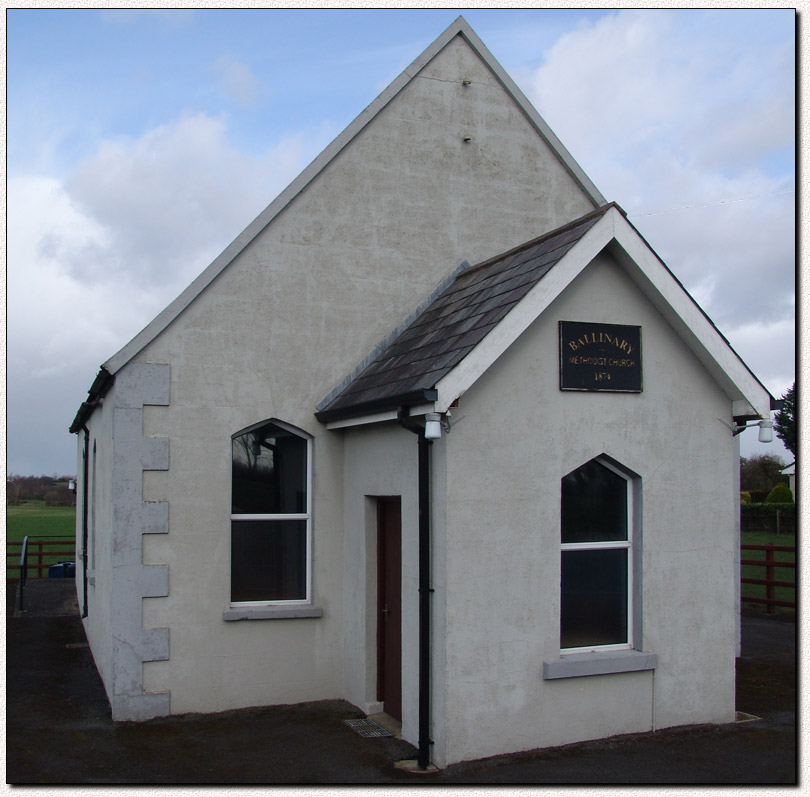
590, 338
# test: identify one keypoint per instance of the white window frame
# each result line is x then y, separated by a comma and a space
611, 545
307, 516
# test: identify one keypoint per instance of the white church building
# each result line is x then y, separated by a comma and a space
439, 435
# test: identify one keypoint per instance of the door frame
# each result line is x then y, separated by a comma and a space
386, 558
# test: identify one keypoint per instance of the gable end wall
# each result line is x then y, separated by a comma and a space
515, 434
347, 259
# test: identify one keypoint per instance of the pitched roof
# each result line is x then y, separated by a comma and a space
472, 319
459, 27
407, 369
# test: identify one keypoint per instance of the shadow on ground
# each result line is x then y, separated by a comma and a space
59, 730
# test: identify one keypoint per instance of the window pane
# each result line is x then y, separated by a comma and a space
269, 472
594, 598
594, 505
268, 560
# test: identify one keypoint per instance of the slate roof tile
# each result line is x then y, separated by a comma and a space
457, 320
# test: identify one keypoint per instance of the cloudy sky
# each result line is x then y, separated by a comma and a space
140, 143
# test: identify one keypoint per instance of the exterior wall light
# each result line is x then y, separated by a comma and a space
765, 431
433, 426
765, 428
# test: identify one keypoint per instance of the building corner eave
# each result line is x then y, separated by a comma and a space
101, 385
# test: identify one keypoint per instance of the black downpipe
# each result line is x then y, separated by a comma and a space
423, 759
424, 601
85, 495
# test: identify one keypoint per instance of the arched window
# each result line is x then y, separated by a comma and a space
270, 514
596, 581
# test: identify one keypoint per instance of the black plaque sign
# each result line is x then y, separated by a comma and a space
596, 356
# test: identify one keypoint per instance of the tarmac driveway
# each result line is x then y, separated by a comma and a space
59, 731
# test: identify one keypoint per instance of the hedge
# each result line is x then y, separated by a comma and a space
770, 518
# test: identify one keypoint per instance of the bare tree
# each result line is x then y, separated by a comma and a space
761, 472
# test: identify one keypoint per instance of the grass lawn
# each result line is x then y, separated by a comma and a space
34, 519
780, 573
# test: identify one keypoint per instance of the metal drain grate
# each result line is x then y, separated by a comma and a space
367, 728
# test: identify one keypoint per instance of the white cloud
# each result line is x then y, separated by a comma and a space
59, 329
664, 82
92, 259
49, 328
756, 343
745, 250
664, 111
172, 199
237, 81
598, 77
129, 229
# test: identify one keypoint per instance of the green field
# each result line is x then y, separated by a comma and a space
33, 519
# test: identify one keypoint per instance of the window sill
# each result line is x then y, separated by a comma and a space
616, 661
270, 613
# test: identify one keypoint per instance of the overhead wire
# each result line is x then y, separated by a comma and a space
715, 202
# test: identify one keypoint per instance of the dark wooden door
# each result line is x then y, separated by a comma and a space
389, 606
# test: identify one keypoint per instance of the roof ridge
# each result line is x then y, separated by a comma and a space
593, 214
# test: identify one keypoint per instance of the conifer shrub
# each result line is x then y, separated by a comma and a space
780, 495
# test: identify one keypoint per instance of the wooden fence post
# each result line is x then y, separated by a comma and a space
770, 590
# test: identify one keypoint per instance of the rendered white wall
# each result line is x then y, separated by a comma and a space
395, 212
118, 519
515, 435
97, 623
380, 461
